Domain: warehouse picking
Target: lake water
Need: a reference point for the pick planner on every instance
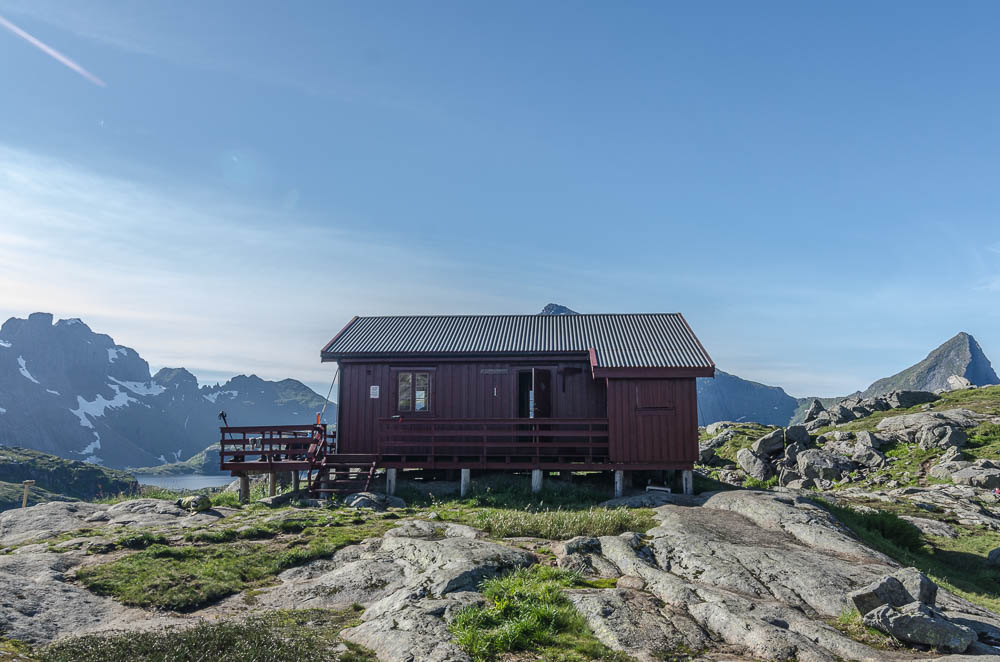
(184, 481)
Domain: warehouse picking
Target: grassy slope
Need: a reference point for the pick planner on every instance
(51, 473)
(746, 434)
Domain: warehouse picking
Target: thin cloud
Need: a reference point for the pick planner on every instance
(51, 52)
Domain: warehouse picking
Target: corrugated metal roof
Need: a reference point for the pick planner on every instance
(648, 340)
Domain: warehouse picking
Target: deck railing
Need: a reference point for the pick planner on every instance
(258, 447)
(493, 442)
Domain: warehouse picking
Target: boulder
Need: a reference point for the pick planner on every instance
(917, 585)
(770, 444)
(958, 383)
(941, 429)
(867, 439)
(918, 623)
(987, 479)
(797, 433)
(993, 558)
(840, 414)
(822, 420)
(815, 409)
(869, 457)
(786, 476)
(195, 502)
(945, 470)
(713, 429)
(884, 591)
(753, 464)
(373, 500)
(819, 464)
(907, 399)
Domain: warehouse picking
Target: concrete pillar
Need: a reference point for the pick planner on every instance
(466, 482)
(687, 481)
(295, 481)
(619, 484)
(536, 481)
(390, 481)
(272, 484)
(244, 488)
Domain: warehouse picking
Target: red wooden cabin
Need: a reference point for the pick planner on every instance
(509, 392)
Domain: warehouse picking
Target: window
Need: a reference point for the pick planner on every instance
(413, 391)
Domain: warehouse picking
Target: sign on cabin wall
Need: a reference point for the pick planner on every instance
(373, 392)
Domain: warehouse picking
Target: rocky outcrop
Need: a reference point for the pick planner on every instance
(936, 429)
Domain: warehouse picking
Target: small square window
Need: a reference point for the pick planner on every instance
(413, 392)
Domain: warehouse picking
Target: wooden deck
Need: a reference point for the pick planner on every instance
(496, 444)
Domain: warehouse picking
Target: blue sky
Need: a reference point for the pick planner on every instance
(813, 185)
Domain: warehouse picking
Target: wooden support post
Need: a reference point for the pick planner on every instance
(272, 487)
(536, 481)
(465, 483)
(244, 488)
(27, 484)
(295, 481)
(619, 484)
(390, 481)
(687, 481)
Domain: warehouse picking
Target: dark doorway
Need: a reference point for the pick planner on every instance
(525, 398)
(534, 393)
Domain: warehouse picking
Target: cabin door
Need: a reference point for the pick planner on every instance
(534, 393)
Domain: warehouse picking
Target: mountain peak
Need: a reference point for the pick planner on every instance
(960, 355)
(557, 309)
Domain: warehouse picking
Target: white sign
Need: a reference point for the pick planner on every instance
(373, 392)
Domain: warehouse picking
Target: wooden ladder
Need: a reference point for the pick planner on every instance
(340, 474)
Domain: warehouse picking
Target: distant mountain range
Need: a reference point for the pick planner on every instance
(69, 391)
(731, 398)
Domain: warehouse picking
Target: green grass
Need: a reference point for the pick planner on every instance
(746, 434)
(308, 635)
(563, 524)
(142, 492)
(850, 623)
(958, 565)
(984, 442)
(527, 610)
(224, 561)
(753, 484)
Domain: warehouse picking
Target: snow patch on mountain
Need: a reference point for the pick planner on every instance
(115, 352)
(99, 405)
(212, 397)
(141, 388)
(4, 343)
(24, 369)
(48, 390)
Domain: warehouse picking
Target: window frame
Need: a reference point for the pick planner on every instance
(413, 372)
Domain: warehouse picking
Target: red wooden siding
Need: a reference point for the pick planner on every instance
(458, 390)
(653, 421)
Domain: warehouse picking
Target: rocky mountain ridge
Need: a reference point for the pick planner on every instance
(69, 391)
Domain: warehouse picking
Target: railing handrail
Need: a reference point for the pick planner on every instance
(241, 429)
(493, 421)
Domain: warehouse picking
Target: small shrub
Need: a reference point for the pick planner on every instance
(141, 540)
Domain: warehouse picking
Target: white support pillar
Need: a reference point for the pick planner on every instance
(272, 487)
(466, 482)
(244, 488)
(536, 481)
(619, 484)
(295, 481)
(687, 482)
(27, 486)
(390, 481)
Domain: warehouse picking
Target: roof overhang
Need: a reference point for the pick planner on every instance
(647, 373)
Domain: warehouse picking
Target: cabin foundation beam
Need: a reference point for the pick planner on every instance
(244, 488)
(272, 484)
(619, 484)
(295, 481)
(687, 482)
(465, 482)
(390, 482)
(536, 481)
